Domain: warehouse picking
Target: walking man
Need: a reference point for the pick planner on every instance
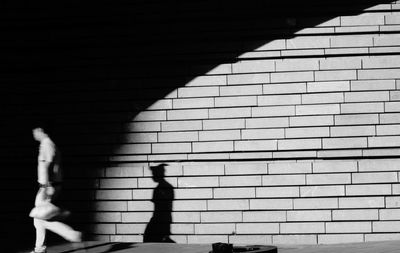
(50, 181)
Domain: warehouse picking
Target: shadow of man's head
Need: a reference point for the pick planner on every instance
(158, 172)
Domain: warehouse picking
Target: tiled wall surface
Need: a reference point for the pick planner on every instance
(304, 202)
(331, 91)
(294, 140)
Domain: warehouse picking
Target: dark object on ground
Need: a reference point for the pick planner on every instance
(220, 247)
(228, 248)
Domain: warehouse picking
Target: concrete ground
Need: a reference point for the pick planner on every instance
(103, 247)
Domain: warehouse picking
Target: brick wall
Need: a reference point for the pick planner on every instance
(278, 133)
(304, 202)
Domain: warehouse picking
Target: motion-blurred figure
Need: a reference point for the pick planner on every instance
(50, 182)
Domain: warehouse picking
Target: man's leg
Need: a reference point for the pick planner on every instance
(39, 225)
(63, 230)
(40, 236)
(57, 227)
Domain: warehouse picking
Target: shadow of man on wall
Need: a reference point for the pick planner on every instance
(159, 227)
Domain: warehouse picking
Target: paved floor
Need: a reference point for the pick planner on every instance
(102, 247)
(370, 247)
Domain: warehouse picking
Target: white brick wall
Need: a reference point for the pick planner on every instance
(235, 101)
(318, 215)
(240, 181)
(311, 121)
(326, 179)
(373, 85)
(277, 192)
(245, 144)
(248, 79)
(302, 228)
(294, 239)
(355, 215)
(317, 109)
(362, 202)
(289, 168)
(251, 66)
(279, 100)
(223, 124)
(285, 88)
(348, 227)
(357, 119)
(258, 228)
(329, 86)
(198, 92)
(318, 98)
(340, 238)
(306, 42)
(316, 203)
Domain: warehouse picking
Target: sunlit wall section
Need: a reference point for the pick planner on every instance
(330, 91)
(295, 141)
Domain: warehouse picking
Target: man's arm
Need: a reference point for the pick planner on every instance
(46, 158)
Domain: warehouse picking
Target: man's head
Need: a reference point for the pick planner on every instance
(39, 133)
(42, 128)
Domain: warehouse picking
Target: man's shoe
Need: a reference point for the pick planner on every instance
(76, 237)
(39, 250)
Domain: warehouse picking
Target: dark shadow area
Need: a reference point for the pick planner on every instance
(103, 248)
(90, 246)
(119, 246)
(92, 68)
(159, 227)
